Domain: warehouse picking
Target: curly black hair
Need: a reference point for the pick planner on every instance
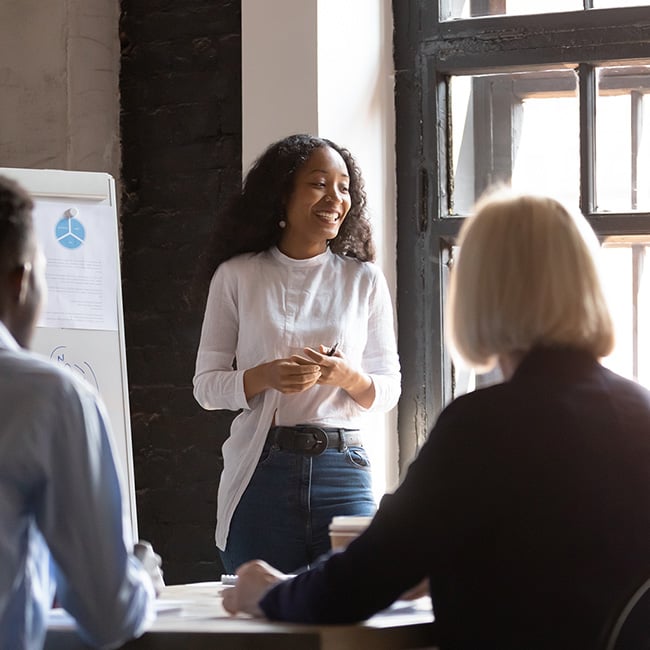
(250, 221)
(16, 222)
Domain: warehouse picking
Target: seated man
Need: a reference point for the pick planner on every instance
(61, 513)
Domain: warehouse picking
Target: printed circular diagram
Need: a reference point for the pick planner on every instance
(63, 356)
(70, 232)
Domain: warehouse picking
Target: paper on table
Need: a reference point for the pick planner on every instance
(405, 608)
(168, 606)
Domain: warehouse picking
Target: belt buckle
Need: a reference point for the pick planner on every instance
(319, 440)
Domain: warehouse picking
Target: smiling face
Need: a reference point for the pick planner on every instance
(317, 206)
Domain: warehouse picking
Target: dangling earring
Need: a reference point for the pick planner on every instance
(282, 223)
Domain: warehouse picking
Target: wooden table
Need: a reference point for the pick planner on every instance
(192, 617)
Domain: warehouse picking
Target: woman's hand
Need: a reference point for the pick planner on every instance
(254, 579)
(283, 375)
(335, 371)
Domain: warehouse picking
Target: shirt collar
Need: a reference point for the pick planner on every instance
(317, 260)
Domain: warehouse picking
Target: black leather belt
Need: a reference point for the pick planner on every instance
(312, 440)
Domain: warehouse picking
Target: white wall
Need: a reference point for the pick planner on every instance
(326, 67)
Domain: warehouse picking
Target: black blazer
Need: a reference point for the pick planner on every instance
(528, 509)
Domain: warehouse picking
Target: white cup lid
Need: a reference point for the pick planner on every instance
(349, 523)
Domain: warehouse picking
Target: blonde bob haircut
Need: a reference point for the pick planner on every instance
(526, 276)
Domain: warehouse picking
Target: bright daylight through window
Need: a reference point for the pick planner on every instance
(522, 128)
(453, 9)
(549, 96)
(533, 126)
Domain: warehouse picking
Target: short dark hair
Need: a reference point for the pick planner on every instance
(250, 220)
(16, 222)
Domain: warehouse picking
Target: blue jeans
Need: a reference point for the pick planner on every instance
(284, 514)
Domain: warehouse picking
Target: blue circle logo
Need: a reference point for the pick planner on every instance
(70, 232)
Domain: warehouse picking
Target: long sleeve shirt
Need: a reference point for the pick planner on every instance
(268, 306)
(63, 524)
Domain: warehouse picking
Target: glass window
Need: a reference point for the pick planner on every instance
(603, 4)
(517, 128)
(623, 139)
(625, 268)
(554, 104)
(523, 128)
(453, 9)
(626, 276)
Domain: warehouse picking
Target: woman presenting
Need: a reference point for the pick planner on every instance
(298, 333)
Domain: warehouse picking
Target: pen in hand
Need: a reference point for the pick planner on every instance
(332, 351)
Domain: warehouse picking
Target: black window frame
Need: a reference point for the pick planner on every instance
(427, 52)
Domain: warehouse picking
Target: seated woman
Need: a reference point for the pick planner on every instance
(528, 508)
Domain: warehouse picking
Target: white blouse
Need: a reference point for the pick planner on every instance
(265, 306)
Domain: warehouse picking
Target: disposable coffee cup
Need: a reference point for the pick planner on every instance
(344, 529)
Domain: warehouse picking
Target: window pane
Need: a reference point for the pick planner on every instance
(520, 129)
(602, 4)
(623, 139)
(452, 9)
(626, 277)
(547, 157)
(625, 267)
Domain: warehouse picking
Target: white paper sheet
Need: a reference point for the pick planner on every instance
(79, 241)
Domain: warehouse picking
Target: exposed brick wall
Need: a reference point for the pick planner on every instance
(180, 87)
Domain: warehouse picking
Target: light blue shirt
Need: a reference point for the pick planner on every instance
(63, 526)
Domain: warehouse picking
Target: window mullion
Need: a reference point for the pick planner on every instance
(638, 259)
(587, 81)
